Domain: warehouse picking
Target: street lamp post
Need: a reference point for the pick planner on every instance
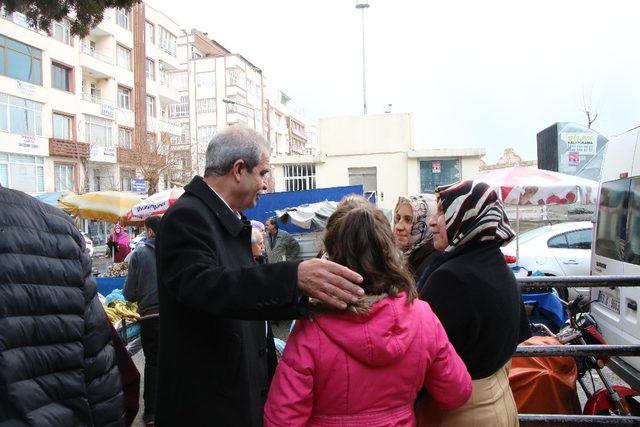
(362, 5)
(248, 107)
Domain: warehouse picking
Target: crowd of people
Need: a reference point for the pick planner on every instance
(407, 323)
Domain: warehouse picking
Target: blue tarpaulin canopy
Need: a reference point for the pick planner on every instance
(52, 198)
(271, 202)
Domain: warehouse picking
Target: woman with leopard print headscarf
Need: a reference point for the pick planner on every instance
(412, 233)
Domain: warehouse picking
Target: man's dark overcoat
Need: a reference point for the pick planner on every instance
(215, 368)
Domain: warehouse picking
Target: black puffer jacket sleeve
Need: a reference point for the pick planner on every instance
(103, 382)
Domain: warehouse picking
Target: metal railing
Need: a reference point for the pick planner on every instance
(549, 282)
(92, 52)
(96, 99)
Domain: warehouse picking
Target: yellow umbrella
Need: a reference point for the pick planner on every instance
(109, 206)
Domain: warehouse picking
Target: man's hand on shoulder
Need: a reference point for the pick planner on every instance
(329, 282)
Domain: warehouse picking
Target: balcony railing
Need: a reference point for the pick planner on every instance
(96, 99)
(92, 52)
(68, 148)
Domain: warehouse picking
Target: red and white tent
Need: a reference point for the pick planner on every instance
(526, 186)
(156, 204)
(521, 186)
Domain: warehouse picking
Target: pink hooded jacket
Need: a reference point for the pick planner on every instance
(349, 370)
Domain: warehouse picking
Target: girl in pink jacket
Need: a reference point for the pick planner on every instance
(365, 366)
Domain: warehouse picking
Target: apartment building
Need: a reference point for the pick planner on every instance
(74, 111)
(219, 88)
(285, 126)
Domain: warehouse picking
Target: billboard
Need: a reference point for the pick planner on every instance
(568, 147)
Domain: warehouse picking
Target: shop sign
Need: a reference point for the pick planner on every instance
(28, 141)
(102, 154)
(139, 186)
(26, 89)
(106, 109)
(582, 143)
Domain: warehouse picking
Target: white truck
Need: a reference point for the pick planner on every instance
(616, 249)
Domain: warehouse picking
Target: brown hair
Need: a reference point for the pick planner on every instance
(359, 237)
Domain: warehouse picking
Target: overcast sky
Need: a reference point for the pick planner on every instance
(488, 73)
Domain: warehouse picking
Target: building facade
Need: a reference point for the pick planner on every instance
(77, 110)
(375, 151)
(217, 89)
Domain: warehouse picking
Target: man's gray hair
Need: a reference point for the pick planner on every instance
(232, 144)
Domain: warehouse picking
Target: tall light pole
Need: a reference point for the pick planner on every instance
(362, 5)
(248, 107)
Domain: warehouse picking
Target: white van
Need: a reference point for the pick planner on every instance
(616, 249)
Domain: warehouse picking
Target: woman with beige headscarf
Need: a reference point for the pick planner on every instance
(412, 233)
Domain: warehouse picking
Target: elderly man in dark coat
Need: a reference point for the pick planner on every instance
(217, 355)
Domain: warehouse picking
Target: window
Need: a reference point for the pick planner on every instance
(124, 97)
(236, 77)
(368, 178)
(98, 131)
(167, 41)
(149, 32)
(180, 109)
(62, 127)
(24, 173)
(124, 137)
(151, 72)
(19, 115)
(206, 105)
(151, 106)
(206, 79)
(611, 238)
(179, 80)
(64, 177)
(151, 142)
(123, 18)
(205, 133)
(61, 31)
(61, 77)
(20, 61)
(126, 178)
(579, 239)
(124, 57)
(300, 177)
(558, 242)
(436, 172)
(633, 247)
(184, 133)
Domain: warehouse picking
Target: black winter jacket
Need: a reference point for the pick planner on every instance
(57, 364)
(475, 296)
(217, 355)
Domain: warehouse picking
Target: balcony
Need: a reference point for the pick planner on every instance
(68, 148)
(171, 127)
(168, 94)
(125, 117)
(140, 157)
(95, 64)
(99, 105)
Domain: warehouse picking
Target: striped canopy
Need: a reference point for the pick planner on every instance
(109, 206)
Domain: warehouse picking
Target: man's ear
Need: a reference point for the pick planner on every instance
(238, 169)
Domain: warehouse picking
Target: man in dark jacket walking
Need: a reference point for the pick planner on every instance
(217, 355)
(57, 361)
(141, 287)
